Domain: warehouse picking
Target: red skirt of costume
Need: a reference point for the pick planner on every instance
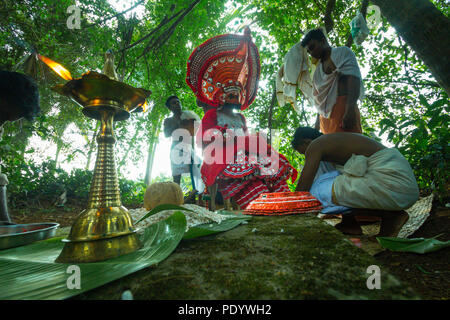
(245, 181)
(254, 168)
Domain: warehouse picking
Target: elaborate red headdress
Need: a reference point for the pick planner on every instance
(225, 68)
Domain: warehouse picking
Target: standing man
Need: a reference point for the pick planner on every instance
(19, 98)
(182, 154)
(337, 85)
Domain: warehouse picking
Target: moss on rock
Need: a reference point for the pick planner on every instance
(283, 257)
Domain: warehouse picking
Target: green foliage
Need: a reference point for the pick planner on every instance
(34, 184)
(424, 140)
(132, 192)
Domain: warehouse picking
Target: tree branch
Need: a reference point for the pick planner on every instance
(156, 43)
(318, 5)
(161, 24)
(328, 21)
(423, 83)
(116, 15)
(272, 103)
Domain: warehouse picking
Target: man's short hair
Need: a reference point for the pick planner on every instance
(304, 133)
(314, 34)
(21, 91)
(168, 100)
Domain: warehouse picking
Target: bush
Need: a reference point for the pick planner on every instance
(33, 185)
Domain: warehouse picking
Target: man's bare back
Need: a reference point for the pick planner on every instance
(336, 148)
(339, 147)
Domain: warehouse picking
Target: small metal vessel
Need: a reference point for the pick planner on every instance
(16, 235)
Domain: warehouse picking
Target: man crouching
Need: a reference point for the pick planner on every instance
(370, 179)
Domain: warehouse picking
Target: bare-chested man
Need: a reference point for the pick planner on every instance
(337, 85)
(182, 152)
(374, 180)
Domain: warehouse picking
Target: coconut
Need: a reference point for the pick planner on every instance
(163, 193)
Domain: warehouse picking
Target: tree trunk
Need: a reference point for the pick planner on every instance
(272, 103)
(91, 144)
(130, 146)
(151, 152)
(425, 29)
(90, 152)
(59, 142)
(150, 161)
(58, 150)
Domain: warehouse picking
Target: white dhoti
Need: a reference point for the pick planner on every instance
(383, 181)
(180, 158)
(184, 160)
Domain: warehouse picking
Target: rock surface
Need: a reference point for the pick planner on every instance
(282, 257)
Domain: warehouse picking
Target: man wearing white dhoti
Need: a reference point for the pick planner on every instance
(181, 127)
(371, 177)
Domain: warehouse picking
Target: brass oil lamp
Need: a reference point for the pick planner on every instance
(103, 230)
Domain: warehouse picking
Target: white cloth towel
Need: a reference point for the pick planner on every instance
(293, 74)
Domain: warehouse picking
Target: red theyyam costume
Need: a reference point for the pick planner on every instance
(223, 72)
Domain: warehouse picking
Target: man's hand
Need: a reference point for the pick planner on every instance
(313, 156)
(171, 124)
(349, 118)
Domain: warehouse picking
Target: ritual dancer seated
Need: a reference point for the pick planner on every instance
(19, 98)
(372, 179)
(337, 85)
(181, 127)
(223, 73)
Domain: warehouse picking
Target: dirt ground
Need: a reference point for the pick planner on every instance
(427, 274)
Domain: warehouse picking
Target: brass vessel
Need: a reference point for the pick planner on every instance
(105, 229)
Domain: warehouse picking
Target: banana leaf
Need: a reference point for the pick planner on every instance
(212, 228)
(415, 245)
(203, 229)
(29, 272)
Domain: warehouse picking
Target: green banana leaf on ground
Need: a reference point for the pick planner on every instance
(212, 228)
(29, 272)
(415, 245)
(203, 229)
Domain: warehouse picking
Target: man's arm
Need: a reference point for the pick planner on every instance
(168, 128)
(317, 124)
(353, 87)
(313, 156)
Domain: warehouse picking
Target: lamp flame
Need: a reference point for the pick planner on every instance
(59, 69)
(145, 107)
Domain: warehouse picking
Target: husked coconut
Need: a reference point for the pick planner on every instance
(163, 193)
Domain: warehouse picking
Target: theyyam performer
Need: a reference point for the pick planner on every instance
(223, 73)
